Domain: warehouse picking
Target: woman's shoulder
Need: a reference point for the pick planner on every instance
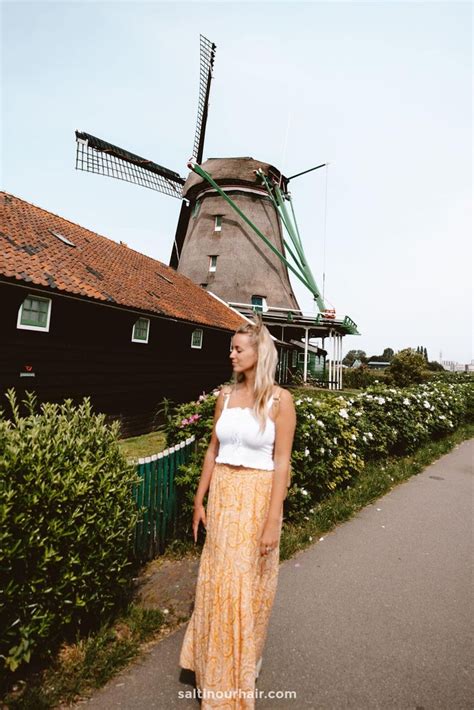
(280, 394)
(224, 392)
(282, 397)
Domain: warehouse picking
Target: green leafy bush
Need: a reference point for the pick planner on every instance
(67, 517)
(325, 453)
(408, 367)
(363, 376)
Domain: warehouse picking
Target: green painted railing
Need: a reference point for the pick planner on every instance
(155, 496)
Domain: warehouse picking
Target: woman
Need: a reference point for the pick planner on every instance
(246, 469)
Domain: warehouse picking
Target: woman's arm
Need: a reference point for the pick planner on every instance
(285, 424)
(206, 473)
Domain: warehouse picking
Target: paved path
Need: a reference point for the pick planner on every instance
(377, 615)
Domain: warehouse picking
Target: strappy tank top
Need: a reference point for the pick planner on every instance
(241, 442)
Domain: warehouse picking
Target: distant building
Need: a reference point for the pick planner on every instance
(453, 366)
(377, 365)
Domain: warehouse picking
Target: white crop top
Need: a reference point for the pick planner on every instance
(241, 443)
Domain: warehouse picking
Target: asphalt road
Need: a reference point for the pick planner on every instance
(379, 614)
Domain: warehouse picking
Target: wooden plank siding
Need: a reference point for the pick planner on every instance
(88, 352)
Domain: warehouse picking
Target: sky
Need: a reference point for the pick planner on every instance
(381, 91)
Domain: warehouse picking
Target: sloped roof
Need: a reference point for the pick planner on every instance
(311, 348)
(98, 268)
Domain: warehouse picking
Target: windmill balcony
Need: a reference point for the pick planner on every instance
(287, 316)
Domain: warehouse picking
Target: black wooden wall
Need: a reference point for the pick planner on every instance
(88, 351)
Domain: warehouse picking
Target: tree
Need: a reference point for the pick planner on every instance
(354, 355)
(435, 366)
(387, 355)
(408, 367)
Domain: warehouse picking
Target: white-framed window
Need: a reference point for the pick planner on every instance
(301, 357)
(294, 358)
(34, 313)
(218, 223)
(213, 263)
(196, 338)
(259, 303)
(141, 330)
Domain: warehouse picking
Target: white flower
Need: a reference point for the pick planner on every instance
(426, 405)
(304, 492)
(306, 452)
(335, 439)
(310, 538)
(406, 401)
(353, 437)
(320, 423)
(322, 449)
(311, 416)
(364, 438)
(343, 413)
(358, 414)
(298, 401)
(370, 435)
(380, 400)
(441, 416)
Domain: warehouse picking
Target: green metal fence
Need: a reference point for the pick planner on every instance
(155, 496)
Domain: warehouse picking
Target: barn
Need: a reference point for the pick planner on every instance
(86, 316)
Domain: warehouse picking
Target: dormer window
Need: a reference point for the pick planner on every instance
(259, 304)
(212, 263)
(218, 223)
(34, 314)
(141, 330)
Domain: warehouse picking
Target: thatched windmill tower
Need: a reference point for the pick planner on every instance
(229, 237)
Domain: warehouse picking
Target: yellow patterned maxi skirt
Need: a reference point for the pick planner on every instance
(235, 590)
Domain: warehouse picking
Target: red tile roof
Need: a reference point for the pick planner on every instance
(98, 268)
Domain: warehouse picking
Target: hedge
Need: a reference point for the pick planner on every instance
(66, 525)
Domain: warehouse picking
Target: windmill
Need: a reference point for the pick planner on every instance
(237, 234)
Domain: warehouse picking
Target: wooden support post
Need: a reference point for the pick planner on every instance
(305, 369)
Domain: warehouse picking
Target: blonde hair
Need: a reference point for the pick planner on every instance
(267, 361)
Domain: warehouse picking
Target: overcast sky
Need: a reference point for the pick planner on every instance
(381, 90)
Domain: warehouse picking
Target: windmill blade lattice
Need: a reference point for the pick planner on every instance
(95, 155)
(207, 53)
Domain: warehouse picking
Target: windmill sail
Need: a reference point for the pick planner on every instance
(207, 53)
(95, 155)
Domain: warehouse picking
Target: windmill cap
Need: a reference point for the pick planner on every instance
(229, 171)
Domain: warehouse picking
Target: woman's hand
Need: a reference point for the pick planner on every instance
(198, 515)
(270, 538)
